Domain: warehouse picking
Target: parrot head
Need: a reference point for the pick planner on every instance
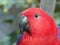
(36, 23)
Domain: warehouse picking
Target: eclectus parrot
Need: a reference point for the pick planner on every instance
(37, 28)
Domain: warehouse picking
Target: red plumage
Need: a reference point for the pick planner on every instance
(43, 29)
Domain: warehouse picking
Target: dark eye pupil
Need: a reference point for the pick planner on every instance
(36, 16)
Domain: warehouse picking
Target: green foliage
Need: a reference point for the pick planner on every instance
(13, 36)
(8, 21)
(57, 9)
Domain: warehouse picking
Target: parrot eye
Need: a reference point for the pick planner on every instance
(36, 16)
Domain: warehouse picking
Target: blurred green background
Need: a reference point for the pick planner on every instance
(9, 13)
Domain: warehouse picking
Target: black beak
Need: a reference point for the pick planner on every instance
(23, 24)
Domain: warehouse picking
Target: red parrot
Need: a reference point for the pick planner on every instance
(38, 28)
